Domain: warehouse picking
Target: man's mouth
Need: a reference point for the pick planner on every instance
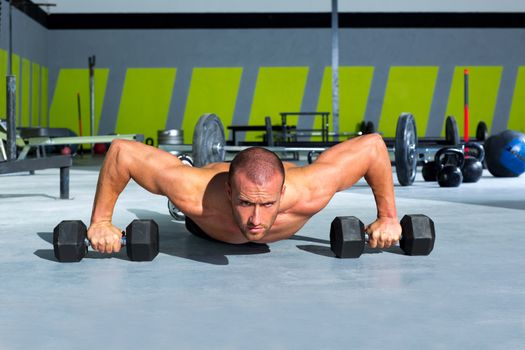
(255, 229)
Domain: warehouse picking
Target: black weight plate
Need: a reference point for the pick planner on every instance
(208, 141)
(370, 128)
(175, 212)
(406, 149)
(482, 132)
(451, 131)
(312, 156)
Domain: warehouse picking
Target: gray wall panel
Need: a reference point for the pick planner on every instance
(506, 90)
(109, 113)
(438, 110)
(179, 97)
(243, 106)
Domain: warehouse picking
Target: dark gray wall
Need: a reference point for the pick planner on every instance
(253, 48)
(29, 41)
(30, 38)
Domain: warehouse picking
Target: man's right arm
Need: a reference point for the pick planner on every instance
(150, 167)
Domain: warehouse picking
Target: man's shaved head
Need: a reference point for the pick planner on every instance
(258, 164)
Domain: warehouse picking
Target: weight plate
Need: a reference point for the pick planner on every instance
(406, 149)
(482, 132)
(208, 141)
(370, 128)
(451, 131)
(185, 159)
(312, 156)
(175, 212)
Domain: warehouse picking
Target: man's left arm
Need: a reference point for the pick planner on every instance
(340, 167)
(385, 230)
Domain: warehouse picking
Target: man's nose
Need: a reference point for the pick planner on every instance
(256, 216)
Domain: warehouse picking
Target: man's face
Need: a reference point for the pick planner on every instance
(255, 207)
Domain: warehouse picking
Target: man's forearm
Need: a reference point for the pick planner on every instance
(379, 177)
(112, 180)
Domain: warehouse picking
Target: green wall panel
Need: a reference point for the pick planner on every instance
(35, 95)
(44, 103)
(212, 90)
(517, 110)
(145, 101)
(409, 89)
(25, 87)
(278, 89)
(354, 88)
(3, 73)
(484, 84)
(64, 109)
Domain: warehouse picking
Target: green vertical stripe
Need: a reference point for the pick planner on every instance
(145, 100)
(26, 91)
(517, 110)
(44, 96)
(35, 95)
(483, 94)
(409, 89)
(64, 109)
(278, 89)
(212, 90)
(354, 88)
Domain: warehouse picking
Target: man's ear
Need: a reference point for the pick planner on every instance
(283, 189)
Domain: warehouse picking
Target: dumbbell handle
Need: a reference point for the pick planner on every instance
(122, 241)
(367, 238)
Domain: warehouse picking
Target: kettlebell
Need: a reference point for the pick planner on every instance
(473, 166)
(429, 171)
(449, 161)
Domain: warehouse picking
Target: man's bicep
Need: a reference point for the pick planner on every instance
(182, 185)
(150, 167)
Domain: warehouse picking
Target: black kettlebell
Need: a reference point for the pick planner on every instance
(429, 171)
(449, 161)
(473, 166)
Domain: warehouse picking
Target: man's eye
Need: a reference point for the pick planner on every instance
(268, 205)
(245, 204)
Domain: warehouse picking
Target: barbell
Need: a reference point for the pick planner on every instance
(209, 145)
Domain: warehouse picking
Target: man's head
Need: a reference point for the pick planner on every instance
(255, 187)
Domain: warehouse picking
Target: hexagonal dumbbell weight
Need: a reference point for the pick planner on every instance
(348, 237)
(141, 239)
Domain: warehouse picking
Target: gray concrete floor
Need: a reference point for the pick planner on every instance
(468, 294)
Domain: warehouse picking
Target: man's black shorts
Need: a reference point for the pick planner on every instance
(196, 230)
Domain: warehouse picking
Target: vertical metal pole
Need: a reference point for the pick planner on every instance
(10, 34)
(10, 112)
(10, 97)
(92, 96)
(64, 183)
(335, 70)
(465, 110)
